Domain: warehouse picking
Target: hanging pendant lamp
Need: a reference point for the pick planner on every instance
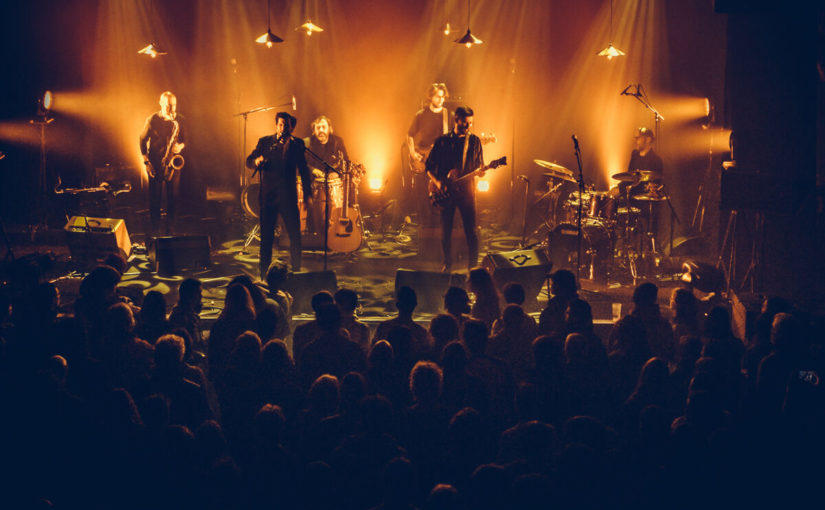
(611, 51)
(268, 38)
(468, 39)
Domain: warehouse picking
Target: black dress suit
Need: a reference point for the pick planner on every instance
(283, 160)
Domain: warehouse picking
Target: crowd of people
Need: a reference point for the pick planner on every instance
(120, 406)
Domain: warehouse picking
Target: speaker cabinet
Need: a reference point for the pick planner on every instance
(304, 284)
(91, 239)
(429, 287)
(527, 267)
(172, 254)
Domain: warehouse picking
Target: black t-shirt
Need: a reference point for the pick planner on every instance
(427, 126)
(650, 161)
(327, 151)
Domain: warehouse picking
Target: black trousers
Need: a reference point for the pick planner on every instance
(466, 205)
(271, 208)
(157, 186)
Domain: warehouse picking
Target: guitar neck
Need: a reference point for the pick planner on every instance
(472, 174)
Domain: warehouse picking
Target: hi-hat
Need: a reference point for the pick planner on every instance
(636, 176)
(555, 171)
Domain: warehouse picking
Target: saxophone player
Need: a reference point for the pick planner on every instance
(161, 142)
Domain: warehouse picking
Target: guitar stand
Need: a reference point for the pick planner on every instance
(254, 234)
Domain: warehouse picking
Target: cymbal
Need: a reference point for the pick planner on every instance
(625, 176)
(636, 176)
(650, 197)
(552, 166)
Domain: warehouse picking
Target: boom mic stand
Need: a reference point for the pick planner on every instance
(579, 212)
(328, 168)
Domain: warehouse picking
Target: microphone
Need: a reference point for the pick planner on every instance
(575, 142)
(294, 104)
(624, 92)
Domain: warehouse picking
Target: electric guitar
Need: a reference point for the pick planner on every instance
(418, 167)
(346, 231)
(442, 191)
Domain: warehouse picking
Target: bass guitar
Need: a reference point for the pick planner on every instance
(442, 191)
(346, 231)
(418, 167)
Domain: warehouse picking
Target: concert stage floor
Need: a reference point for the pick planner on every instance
(370, 271)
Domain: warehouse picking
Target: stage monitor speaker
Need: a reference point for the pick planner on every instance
(91, 239)
(429, 287)
(304, 284)
(172, 254)
(527, 267)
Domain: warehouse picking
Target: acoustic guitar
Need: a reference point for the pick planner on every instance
(346, 231)
(442, 191)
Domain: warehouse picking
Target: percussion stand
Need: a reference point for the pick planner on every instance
(545, 223)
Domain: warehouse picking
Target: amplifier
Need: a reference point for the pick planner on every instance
(91, 239)
(527, 267)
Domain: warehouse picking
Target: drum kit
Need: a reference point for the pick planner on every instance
(616, 226)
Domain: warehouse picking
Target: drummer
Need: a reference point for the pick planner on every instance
(330, 147)
(331, 150)
(646, 163)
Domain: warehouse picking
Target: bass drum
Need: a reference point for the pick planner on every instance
(251, 202)
(597, 248)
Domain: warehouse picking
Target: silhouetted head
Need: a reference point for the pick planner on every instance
(323, 395)
(347, 300)
(406, 300)
(475, 336)
(444, 329)
(276, 276)
(425, 382)
(456, 301)
(513, 293)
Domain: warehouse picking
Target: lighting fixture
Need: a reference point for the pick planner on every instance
(611, 51)
(448, 29)
(47, 101)
(152, 50)
(309, 27)
(268, 37)
(468, 39)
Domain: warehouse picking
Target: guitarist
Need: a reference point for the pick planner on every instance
(279, 158)
(458, 150)
(431, 121)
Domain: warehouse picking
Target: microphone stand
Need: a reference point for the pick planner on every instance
(641, 96)
(579, 213)
(328, 168)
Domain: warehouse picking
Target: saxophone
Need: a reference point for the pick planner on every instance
(172, 161)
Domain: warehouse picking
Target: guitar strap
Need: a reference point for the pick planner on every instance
(464, 153)
(445, 124)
